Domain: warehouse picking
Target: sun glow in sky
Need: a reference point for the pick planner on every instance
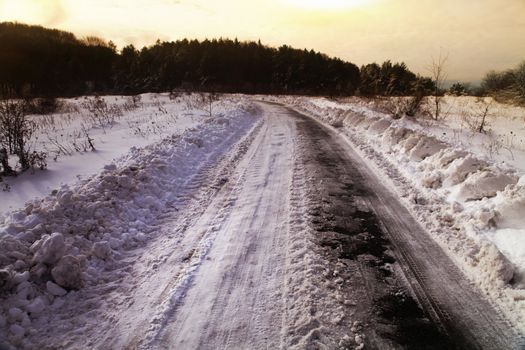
(478, 35)
(328, 4)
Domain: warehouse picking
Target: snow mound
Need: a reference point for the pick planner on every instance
(379, 126)
(460, 168)
(443, 158)
(426, 146)
(484, 183)
(353, 118)
(68, 273)
(102, 250)
(495, 265)
(395, 135)
(49, 249)
(510, 206)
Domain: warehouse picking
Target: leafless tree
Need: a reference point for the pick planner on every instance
(210, 99)
(476, 119)
(203, 101)
(483, 117)
(16, 129)
(439, 75)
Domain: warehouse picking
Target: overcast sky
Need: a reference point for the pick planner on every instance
(477, 35)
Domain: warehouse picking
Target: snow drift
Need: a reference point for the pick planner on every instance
(63, 242)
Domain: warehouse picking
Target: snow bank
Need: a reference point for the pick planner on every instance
(484, 184)
(61, 243)
(473, 205)
(64, 137)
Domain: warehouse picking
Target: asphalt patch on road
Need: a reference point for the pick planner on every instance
(349, 232)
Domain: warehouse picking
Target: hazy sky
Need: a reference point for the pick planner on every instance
(478, 35)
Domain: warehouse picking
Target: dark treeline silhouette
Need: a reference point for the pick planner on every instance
(508, 85)
(39, 61)
(393, 79)
(230, 65)
(35, 61)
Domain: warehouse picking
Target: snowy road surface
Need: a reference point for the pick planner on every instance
(290, 241)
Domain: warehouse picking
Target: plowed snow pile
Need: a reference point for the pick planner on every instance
(78, 235)
(472, 201)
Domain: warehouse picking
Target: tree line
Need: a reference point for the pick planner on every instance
(508, 85)
(39, 62)
(36, 61)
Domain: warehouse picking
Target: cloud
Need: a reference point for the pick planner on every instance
(43, 12)
(54, 12)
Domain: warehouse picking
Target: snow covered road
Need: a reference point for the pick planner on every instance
(351, 193)
(253, 270)
(229, 294)
(288, 241)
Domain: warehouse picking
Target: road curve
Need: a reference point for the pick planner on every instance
(293, 242)
(459, 312)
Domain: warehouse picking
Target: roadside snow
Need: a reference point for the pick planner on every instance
(56, 245)
(64, 137)
(470, 200)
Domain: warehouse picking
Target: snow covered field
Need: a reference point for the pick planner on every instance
(127, 122)
(91, 209)
(466, 187)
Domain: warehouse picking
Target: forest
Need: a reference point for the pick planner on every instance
(39, 62)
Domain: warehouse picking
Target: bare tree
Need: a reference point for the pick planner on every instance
(476, 119)
(16, 129)
(439, 76)
(209, 99)
(483, 118)
(203, 101)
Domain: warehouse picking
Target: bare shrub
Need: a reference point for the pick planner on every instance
(88, 140)
(102, 114)
(414, 105)
(399, 107)
(159, 105)
(520, 82)
(82, 142)
(132, 102)
(60, 148)
(4, 162)
(507, 86)
(439, 75)
(476, 120)
(492, 146)
(203, 101)
(175, 94)
(37, 160)
(44, 106)
(16, 129)
(396, 106)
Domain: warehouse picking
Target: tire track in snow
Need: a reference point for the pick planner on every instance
(177, 289)
(169, 252)
(235, 299)
(468, 319)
